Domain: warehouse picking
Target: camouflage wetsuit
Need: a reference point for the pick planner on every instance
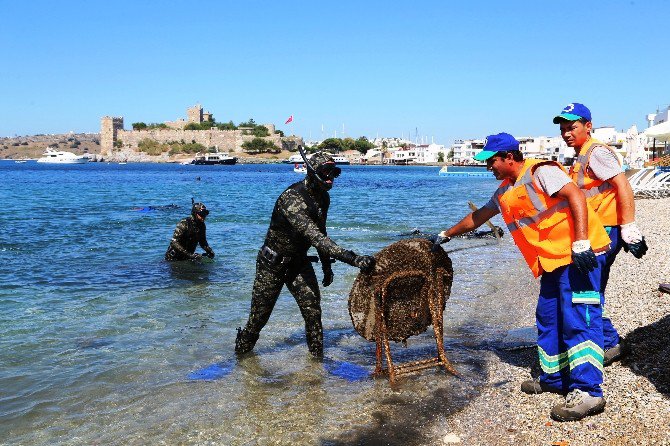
(298, 222)
(188, 234)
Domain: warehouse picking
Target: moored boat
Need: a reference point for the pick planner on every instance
(213, 158)
(61, 157)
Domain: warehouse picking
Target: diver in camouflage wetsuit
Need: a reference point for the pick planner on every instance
(298, 222)
(190, 232)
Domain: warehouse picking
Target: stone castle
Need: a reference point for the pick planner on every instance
(114, 140)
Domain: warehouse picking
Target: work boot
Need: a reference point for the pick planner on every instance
(535, 386)
(245, 341)
(578, 404)
(615, 353)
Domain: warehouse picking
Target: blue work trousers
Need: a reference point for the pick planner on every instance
(609, 332)
(570, 330)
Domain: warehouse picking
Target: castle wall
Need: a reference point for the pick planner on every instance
(225, 140)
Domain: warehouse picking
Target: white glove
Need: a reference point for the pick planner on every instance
(581, 246)
(630, 233)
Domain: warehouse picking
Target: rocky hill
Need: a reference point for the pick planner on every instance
(22, 147)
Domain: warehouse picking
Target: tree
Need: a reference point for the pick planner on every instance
(226, 126)
(259, 145)
(348, 143)
(249, 123)
(139, 126)
(279, 132)
(260, 131)
(192, 126)
(384, 150)
(363, 145)
(440, 157)
(332, 145)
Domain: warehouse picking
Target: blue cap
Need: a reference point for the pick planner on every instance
(573, 112)
(501, 142)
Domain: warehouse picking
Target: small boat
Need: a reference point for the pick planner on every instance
(341, 160)
(19, 161)
(213, 158)
(61, 157)
(299, 168)
(293, 159)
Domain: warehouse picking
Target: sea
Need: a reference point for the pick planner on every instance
(104, 343)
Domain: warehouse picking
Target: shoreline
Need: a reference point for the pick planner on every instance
(637, 389)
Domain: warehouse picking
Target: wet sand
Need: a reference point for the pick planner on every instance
(637, 389)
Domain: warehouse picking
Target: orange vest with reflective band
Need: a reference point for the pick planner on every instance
(542, 226)
(600, 194)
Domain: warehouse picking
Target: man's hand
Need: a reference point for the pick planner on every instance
(196, 257)
(583, 256)
(210, 253)
(633, 240)
(437, 241)
(365, 263)
(328, 276)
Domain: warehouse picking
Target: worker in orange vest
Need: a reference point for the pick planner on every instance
(563, 242)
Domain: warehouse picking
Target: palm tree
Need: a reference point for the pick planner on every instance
(384, 150)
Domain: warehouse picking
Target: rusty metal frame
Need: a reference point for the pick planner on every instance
(435, 290)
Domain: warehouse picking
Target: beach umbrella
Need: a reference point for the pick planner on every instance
(661, 131)
(634, 151)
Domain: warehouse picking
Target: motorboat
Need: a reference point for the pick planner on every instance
(299, 168)
(294, 159)
(61, 157)
(213, 158)
(341, 160)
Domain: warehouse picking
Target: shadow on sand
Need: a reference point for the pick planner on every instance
(650, 353)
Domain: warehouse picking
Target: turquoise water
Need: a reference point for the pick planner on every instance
(99, 334)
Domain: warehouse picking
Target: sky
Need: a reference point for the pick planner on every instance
(427, 70)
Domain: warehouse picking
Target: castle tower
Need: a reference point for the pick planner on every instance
(109, 127)
(194, 114)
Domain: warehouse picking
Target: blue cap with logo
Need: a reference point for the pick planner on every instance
(573, 112)
(497, 143)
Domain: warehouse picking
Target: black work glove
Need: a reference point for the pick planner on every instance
(328, 276)
(210, 252)
(583, 257)
(365, 263)
(195, 256)
(638, 249)
(437, 241)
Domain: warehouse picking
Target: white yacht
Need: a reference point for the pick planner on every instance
(214, 158)
(341, 160)
(61, 157)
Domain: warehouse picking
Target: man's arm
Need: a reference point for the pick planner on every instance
(577, 204)
(624, 198)
(470, 222)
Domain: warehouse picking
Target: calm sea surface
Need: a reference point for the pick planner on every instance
(99, 334)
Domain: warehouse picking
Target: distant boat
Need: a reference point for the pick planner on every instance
(19, 161)
(293, 159)
(299, 168)
(60, 157)
(213, 158)
(341, 160)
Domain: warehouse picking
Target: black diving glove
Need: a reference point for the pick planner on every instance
(583, 256)
(638, 249)
(365, 263)
(328, 276)
(437, 241)
(210, 253)
(196, 256)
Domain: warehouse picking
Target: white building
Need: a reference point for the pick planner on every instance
(464, 150)
(545, 147)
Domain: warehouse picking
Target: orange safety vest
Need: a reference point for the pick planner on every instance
(601, 195)
(542, 226)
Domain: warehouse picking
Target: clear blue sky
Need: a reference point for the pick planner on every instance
(449, 69)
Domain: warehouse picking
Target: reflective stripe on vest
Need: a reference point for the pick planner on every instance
(601, 195)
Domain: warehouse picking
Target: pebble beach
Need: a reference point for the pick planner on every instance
(637, 389)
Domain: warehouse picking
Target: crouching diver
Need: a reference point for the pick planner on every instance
(189, 233)
(298, 222)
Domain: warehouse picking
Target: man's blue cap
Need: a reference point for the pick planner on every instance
(573, 112)
(497, 143)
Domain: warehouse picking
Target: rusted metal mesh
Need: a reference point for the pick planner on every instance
(409, 269)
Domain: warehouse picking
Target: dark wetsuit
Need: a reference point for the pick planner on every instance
(298, 222)
(186, 238)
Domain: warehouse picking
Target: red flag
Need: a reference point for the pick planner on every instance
(290, 118)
